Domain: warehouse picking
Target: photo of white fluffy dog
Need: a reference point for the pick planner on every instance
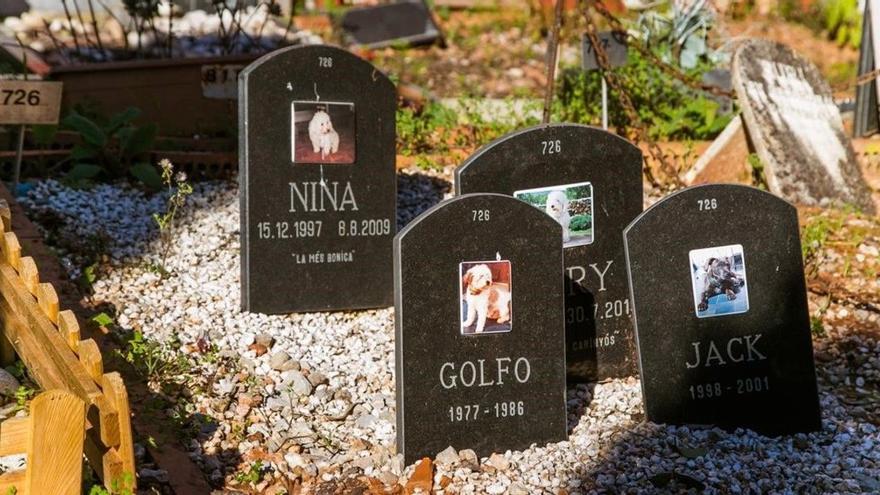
(486, 298)
(324, 138)
(557, 207)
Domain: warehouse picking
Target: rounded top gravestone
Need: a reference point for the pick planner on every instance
(589, 181)
(796, 128)
(720, 306)
(317, 182)
(479, 345)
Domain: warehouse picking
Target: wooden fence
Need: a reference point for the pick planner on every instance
(48, 342)
(52, 439)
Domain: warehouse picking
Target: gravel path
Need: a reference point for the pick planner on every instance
(311, 396)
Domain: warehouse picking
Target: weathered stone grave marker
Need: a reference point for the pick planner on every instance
(589, 181)
(318, 182)
(720, 303)
(379, 26)
(796, 128)
(480, 357)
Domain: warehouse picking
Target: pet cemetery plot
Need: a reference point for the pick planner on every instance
(460, 246)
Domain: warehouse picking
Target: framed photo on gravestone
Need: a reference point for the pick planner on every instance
(318, 184)
(479, 356)
(796, 128)
(590, 182)
(720, 306)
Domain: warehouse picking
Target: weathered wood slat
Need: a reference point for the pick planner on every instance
(69, 328)
(11, 250)
(55, 444)
(48, 301)
(76, 378)
(90, 357)
(14, 436)
(114, 389)
(29, 275)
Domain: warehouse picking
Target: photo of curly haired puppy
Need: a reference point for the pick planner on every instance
(322, 132)
(324, 139)
(486, 297)
(571, 205)
(719, 281)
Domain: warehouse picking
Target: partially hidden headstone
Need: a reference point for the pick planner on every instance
(407, 22)
(317, 182)
(480, 356)
(590, 182)
(796, 128)
(867, 112)
(720, 305)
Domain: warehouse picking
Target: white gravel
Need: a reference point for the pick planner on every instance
(322, 401)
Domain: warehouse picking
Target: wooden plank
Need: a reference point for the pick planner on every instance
(34, 356)
(55, 444)
(105, 461)
(29, 102)
(75, 377)
(14, 436)
(13, 482)
(114, 389)
(90, 357)
(29, 275)
(11, 250)
(69, 328)
(48, 301)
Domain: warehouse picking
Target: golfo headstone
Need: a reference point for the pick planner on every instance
(317, 182)
(480, 356)
(720, 303)
(796, 128)
(590, 182)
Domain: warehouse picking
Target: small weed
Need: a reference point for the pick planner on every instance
(252, 476)
(757, 167)
(22, 395)
(178, 190)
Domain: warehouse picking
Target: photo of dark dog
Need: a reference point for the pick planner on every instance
(719, 281)
(322, 132)
(486, 296)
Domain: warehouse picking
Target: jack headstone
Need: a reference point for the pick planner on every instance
(720, 303)
(589, 181)
(317, 182)
(480, 357)
(796, 128)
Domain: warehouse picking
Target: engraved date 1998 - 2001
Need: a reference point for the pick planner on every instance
(742, 386)
(473, 412)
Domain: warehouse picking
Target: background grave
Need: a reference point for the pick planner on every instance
(316, 235)
(742, 362)
(490, 392)
(599, 339)
(796, 128)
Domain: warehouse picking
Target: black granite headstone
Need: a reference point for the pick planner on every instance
(590, 181)
(867, 119)
(720, 303)
(405, 21)
(317, 182)
(480, 360)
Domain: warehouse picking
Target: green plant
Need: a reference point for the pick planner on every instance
(680, 32)
(843, 20)
(150, 360)
(22, 395)
(111, 148)
(581, 222)
(667, 107)
(757, 167)
(252, 475)
(178, 190)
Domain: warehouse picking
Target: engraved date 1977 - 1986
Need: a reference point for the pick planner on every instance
(473, 412)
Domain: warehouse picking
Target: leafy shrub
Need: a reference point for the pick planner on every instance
(111, 148)
(843, 20)
(669, 109)
(581, 222)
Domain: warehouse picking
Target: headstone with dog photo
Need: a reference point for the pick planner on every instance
(720, 306)
(590, 182)
(479, 346)
(317, 182)
(796, 127)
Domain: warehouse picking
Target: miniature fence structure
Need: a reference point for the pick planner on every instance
(48, 342)
(52, 439)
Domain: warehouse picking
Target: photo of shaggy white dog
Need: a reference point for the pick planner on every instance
(487, 297)
(322, 132)
(571, 205)
(324, 139)
(719, 281)
(557, 208)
